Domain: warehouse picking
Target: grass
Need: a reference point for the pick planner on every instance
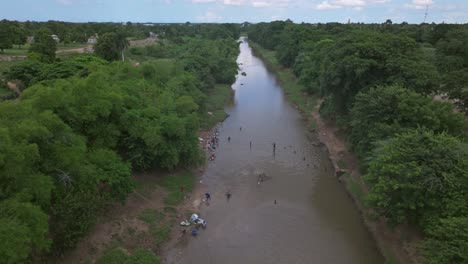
(145, 188)
(159, 225)
(17, 51)
(355, 188)
(151, 216)
(172, 184)
(216, 101)
(170, 210)
(115, 255)
(293, 89)
(23, 51)
(342, 164)
(160, 233)
(389, 258)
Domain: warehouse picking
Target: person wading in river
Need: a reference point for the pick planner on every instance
(274, 147)
(228, 195)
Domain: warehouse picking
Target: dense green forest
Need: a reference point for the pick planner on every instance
(70, 141)
(380, 84)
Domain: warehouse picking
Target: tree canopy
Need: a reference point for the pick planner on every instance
(80, 126)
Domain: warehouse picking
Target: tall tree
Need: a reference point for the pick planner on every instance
(44, 45)
(6, 38)
(110, 46)
(122, 43)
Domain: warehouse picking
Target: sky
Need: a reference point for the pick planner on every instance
(219, 11)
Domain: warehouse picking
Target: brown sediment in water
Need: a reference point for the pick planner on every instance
(301, 215)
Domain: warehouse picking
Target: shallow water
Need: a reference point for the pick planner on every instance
(313, 220)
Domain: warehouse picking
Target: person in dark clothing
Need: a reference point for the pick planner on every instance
(228, 195)
(207, 196)
(229, 139)
(274, 147)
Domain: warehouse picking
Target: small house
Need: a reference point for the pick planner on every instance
(92, 39)
(55, 37)
(153, 35)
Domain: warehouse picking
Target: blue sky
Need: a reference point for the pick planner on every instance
(412, 11)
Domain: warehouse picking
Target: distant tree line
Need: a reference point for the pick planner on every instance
(16, 33)
(80, 126)
(378, 81)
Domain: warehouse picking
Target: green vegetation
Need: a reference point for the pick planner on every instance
(81, 125)
(220, 95)
(355, 188)
(173, 183)
(150, 216)
(342, 164)
(44, 46)
(159, 225)
(118, 256)
(111, 45)
(377, 82)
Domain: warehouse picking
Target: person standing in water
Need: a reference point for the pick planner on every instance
(229, 139)
(228, 195)
(240, 128)
(274, 147)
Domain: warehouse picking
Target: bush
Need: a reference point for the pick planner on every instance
(419, 176)
(447, 241)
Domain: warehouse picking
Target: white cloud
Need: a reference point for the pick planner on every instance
(354, 4)
(209, 16)
(261, 4)
(233, 2)
(203, 1)
(64, 2)
(253, 3)
(325, 5)
(419, 4)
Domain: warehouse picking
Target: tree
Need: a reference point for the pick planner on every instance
(111, 45)
(6, 38)
(362, 60)
(419, 176)
(380, 112)
(19, 36)
(23, 227)
(447, 241)
(44, 45)
(122, 43)
(452, 62)
(106, 47)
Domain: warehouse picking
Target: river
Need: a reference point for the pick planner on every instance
(312, 220)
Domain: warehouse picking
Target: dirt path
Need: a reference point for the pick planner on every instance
(76, 50)
(398, 244)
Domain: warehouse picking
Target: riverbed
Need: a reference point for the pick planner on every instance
(298, 213)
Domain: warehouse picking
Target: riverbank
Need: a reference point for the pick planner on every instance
(149, 219)
(396, 245)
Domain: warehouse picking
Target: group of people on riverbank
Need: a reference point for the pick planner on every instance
(212, 142)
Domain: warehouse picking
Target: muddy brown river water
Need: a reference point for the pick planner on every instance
(313, 220)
